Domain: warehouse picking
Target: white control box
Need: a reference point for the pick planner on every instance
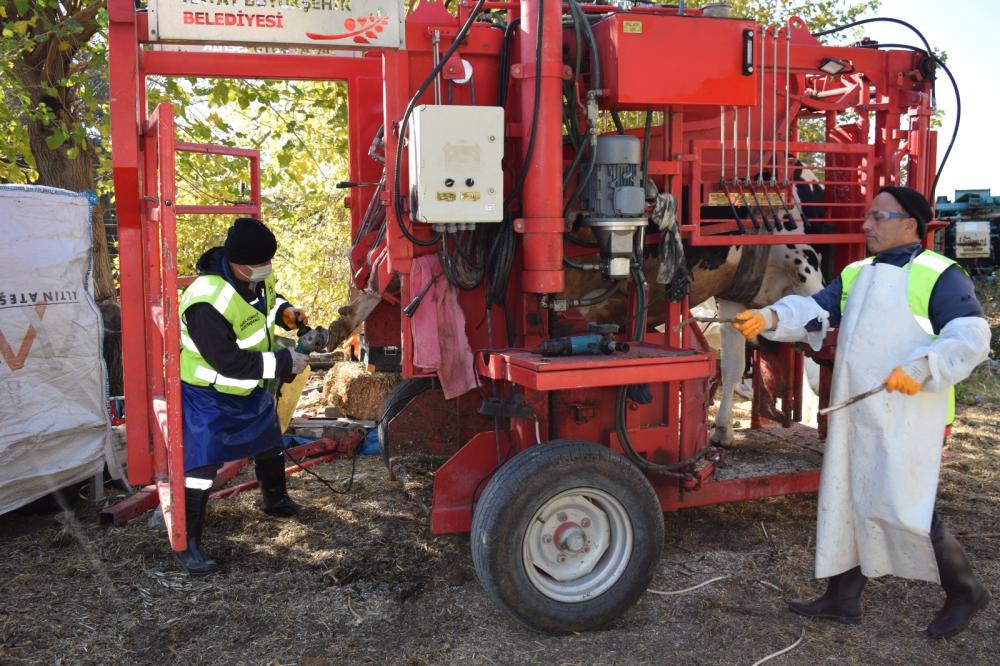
(455, 171)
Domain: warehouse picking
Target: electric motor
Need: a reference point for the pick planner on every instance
(616, 200)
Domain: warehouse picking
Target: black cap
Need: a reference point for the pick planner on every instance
(914, 203)
(249, 242)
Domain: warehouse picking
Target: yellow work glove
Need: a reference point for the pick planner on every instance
(898, 380)
(751, 323)
(293, 318)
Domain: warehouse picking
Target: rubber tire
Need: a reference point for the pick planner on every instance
(400, 397)
(519, 489)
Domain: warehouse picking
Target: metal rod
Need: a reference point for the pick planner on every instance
(722, 139)
(749, 126)
(703, 320)
(436, 41)
(760, 100)
(774, 111)
(788, 98)
(850, 401)
(736, 150)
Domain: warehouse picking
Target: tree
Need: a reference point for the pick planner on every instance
(54, 78)
(300, 129)
(818, 15)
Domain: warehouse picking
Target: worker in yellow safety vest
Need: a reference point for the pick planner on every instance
(908, 319)
(228, 316)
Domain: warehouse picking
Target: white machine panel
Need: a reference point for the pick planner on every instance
(972, 239)
(455, 171)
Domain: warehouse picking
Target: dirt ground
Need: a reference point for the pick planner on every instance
(360, 579)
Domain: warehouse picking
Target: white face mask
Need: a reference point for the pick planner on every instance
(258, 273)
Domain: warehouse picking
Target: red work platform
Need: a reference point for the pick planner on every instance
(639, 365)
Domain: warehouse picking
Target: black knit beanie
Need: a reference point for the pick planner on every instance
(914, 203)
(249, 242)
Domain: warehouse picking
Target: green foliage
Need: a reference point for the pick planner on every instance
(983, 386)
(818, 15)
(300, 129)
(73, 104)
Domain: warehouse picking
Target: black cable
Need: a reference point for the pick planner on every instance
(877, 19)
(626, 443)
(336, 491)
(594, 300)
(397, 200)
(958, 105)
(885, 19)
(617, 121)
(595, 86)
(640, 300)
(503, 80)
(580, 267)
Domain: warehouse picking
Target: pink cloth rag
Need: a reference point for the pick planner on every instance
(439, 339)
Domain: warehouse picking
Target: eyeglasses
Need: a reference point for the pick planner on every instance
(885, 215)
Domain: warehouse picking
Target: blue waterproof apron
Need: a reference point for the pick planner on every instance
(220, 427)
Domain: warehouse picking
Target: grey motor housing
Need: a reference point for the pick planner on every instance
(616, 200)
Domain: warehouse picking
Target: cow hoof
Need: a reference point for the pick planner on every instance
(721, 437)
(744, 390)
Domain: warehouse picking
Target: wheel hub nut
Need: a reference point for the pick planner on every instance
(573, 540)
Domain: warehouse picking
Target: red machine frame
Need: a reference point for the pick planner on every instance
(685, 160)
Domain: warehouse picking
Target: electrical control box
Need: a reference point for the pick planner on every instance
(455, 172)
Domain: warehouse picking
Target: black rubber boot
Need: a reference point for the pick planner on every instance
(193, 559)
(965, 594)
(270, 471)
(840, 602)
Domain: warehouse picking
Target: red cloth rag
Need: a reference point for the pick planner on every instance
(439, 339)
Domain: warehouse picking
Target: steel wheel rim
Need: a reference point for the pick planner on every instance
(577, 545)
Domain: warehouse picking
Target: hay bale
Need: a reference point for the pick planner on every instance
(357, 393)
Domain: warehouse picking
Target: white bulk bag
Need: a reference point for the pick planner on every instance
(54, 427)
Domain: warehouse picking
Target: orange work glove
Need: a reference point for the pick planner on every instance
(751, 323)
(902, 382)
(293, 318)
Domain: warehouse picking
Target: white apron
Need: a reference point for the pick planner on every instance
(883, 454)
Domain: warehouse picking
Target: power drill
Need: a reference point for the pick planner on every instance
(312, 339)
(598, 341)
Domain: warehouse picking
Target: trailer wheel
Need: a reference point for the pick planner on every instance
(566, 536)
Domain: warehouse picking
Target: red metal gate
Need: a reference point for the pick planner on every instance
(158, 349)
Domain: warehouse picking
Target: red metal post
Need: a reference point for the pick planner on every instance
(542, 222)
(125, 85)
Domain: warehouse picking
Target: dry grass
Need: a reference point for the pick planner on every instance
(359, 579)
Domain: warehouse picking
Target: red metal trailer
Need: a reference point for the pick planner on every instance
(563, 495)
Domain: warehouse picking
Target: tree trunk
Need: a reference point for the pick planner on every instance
(56, 168)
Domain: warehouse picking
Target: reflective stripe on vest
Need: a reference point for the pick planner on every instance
(272, 314)
(924, 271)
(250, 325)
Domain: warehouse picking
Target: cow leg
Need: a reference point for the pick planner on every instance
(733, 359)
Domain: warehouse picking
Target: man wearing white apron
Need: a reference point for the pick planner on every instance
(909, 319)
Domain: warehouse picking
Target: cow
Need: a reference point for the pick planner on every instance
(738, 276)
